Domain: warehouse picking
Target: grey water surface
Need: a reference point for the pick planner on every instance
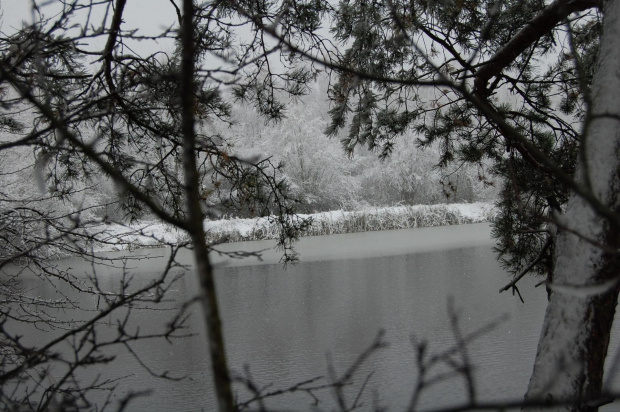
(314, 319)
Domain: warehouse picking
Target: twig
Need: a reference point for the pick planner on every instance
(540, 257)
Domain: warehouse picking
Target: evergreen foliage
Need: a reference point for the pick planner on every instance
(111, 115)
(124, 120)
(428, 66)
(500, 88)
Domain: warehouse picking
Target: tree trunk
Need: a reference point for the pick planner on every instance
(575, 334)
(208, 295)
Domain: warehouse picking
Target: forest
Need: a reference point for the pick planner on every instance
(319, 172)
(279, 109)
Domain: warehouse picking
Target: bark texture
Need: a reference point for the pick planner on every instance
(575, 334)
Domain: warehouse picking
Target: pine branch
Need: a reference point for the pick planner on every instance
(540, 257)
(543, 23)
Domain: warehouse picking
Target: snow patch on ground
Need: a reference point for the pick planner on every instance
(149, 233)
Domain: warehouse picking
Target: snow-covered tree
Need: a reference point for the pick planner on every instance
(327, 178)
(584, 291)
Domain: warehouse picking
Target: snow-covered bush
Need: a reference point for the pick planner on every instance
(326, 178)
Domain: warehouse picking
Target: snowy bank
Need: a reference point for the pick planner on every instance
(155, 234)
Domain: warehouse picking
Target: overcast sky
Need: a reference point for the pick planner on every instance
(148, 16)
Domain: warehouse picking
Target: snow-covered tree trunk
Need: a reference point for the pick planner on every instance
(575, 334)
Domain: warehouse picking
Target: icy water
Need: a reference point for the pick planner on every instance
(316, 318)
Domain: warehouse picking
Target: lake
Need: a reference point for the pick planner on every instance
(312, 320)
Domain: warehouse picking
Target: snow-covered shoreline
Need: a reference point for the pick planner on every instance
(113, 237)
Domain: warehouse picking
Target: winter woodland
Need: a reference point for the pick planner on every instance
(309, 117)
